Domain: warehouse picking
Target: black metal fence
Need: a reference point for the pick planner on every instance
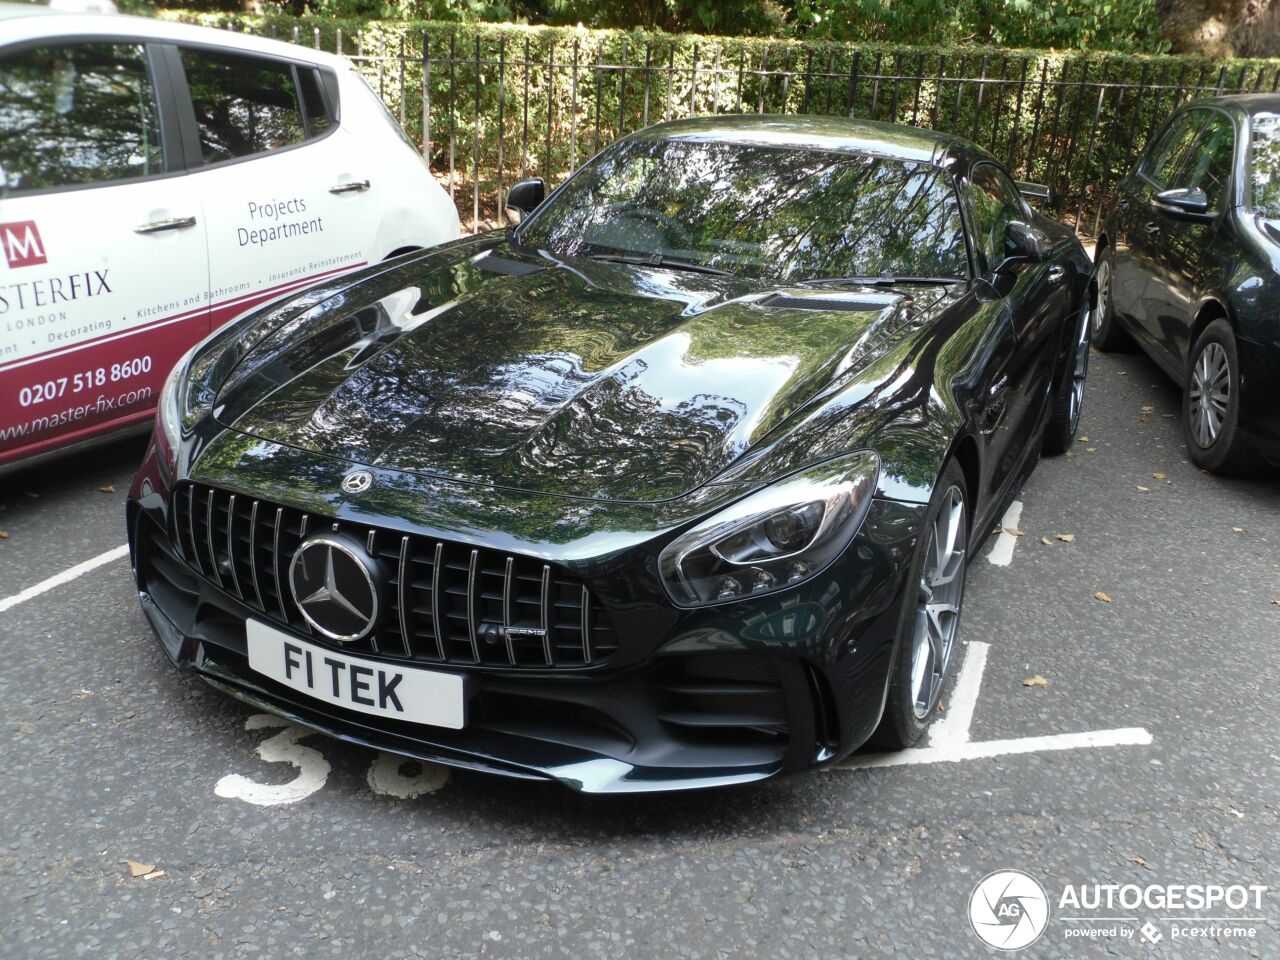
(488, 108)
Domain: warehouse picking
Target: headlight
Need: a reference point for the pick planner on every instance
(171, 412)
(776, 538)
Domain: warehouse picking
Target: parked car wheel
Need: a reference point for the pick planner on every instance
(930, 619)
(1068, 396)
(1108, 335)
(1211, 404)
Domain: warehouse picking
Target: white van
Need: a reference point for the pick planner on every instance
(157, 180)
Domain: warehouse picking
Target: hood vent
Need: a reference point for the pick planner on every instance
(783, 301)
(507, 267)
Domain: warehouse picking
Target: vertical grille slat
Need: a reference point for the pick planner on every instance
(405, 590)
(253, 555)
(480, 607)
(472, 600)
(208, 536)
(547, 620)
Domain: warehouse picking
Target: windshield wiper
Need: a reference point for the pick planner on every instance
(874, 281)
(659, 260)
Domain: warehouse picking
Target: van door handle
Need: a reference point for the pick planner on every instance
(158, 226)
(350, 186)
(1057, 273)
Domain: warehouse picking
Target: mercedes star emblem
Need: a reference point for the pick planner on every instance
(335, 585)
(357, 482)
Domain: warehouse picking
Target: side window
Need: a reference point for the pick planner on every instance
(244, 105)
(319, 117)
(995, 201)
(1164, 164)
(76, 114)
(1209, 161)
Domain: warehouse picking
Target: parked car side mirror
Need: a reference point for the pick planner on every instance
(1036, 193)
(1023, 243)
(1183, 203)
(524, 197)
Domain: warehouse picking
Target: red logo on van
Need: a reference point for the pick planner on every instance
(22, 244)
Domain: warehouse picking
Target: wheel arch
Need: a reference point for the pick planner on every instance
(1211, 309)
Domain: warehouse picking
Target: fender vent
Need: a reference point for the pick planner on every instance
(507, 267)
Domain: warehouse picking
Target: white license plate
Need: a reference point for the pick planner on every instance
(403, 693)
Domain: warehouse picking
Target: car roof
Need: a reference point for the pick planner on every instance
(29, 21)
(1251, 104)
(842, 134)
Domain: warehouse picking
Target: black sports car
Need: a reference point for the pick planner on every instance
(1189, 266)
(673, 485)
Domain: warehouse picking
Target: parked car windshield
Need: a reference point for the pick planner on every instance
(777, 213)
(1266, 166)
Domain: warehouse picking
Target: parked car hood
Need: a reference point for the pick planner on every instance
(571, 377)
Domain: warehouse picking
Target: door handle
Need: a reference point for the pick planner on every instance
(997, 402)
(1057, 273)
(1151, 228)
(350, 186)
(158, 226)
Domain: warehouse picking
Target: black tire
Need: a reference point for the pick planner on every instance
(1212, 428)
(902, 725)
(1068, 391)
(1108, 335)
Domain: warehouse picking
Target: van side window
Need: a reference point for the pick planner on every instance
(76, 114)
(319, 116)
(244, 104)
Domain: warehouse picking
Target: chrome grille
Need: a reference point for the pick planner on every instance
(447, 602)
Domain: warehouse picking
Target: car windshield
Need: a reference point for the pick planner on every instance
(776, 213)
(1266, 165)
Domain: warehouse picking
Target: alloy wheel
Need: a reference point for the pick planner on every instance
(1103, 280)
(1210, 394)
(941, 591)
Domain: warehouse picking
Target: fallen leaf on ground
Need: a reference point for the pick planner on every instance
(1036, 681)
(1046, 541)
(1013, 531)
(1237, 529)
(1167, 416)
(137, 869)
(107, 489)
(1102, 596)
(1091, 449)
(4, 534)
(1140, 861)
(1082, 439)
(1143, 489)
(1148, 409)
(1160, 476)
(1144, 419)
(1067, 537)
(153, 875)
(1275, 603)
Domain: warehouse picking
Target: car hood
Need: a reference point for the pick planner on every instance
(568, 377)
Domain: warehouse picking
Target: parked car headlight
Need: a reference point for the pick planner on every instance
(773, 539)
(175, 412)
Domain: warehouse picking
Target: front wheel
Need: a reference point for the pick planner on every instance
(930, 619)
(1211, 404)
(1068, 394)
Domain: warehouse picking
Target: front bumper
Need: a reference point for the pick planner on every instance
(690, 698)
(1260, 412)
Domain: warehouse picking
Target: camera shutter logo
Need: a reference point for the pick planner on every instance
(1008, 910)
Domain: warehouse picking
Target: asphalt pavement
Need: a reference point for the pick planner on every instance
(110, 756)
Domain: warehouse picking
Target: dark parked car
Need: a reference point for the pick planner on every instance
(673, 485)
(1188, 265)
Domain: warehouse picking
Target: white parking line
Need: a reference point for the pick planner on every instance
(949, 738)
(66, 576)
(954, 725)
(1002, 553)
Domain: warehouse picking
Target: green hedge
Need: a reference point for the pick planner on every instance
(506, 100)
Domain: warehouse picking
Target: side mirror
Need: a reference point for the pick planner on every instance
(1183, 203)
(1036, 193)
(1023, 243)
(525, 197)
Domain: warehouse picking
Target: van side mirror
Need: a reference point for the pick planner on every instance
(1183, 203)
(524, 197)
(1023, 243)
